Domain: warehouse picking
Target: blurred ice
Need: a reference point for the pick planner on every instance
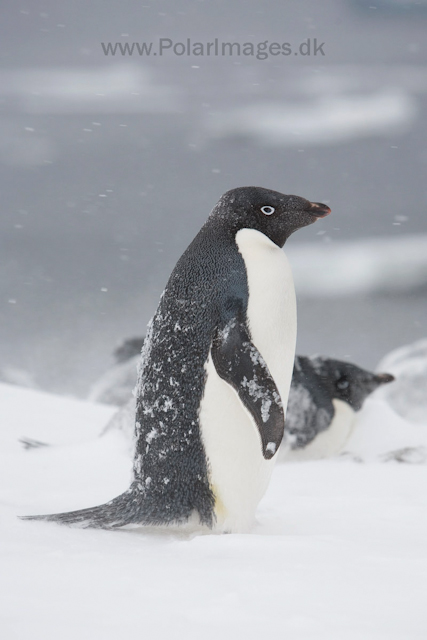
(111, 165)
(336, 79)
(327, 120)
(120, 88)
(390, 265)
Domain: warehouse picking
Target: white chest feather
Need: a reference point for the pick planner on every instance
(329, 442)
(272, 306)
(239, 474)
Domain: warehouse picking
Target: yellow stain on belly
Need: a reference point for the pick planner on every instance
(220, 510)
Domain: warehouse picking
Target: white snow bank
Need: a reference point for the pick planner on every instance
(326, 120)
(381, 434)
(47, 418)
(339, 550)
(408, 394)
(362, 266)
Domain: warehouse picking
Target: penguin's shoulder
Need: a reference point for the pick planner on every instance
(209, 280)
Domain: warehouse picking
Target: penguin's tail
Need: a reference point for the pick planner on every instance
(123, 510)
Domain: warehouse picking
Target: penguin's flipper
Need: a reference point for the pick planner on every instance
(240, 364)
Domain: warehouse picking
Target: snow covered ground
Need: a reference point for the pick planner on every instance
(339, 551)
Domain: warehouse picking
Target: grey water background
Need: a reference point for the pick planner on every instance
(110, 165)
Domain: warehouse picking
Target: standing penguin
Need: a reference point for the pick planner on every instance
(215, 372)
(324, 398)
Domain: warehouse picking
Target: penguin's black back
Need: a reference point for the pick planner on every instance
(170, 463)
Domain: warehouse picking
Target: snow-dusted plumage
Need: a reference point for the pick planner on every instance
(175, 479)
(324, 397)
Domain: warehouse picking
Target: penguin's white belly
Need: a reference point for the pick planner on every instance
(238, 472)
(329, 442)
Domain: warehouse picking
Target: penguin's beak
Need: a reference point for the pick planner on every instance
(384, 378)
(319, 210)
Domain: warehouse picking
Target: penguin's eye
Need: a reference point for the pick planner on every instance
(342, 383)
(268, 210)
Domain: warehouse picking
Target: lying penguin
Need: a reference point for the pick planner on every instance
(324, 397)
(323, 400)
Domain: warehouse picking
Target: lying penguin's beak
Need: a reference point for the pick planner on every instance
(384, 378)
(319, 210)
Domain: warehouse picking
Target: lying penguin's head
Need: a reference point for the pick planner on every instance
(274, 214)
(347, 382)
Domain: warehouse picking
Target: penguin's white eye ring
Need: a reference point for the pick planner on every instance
(342, 383)
(268, 210)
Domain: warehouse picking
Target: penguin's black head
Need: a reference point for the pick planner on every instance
(347, 382)
(274, 214)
